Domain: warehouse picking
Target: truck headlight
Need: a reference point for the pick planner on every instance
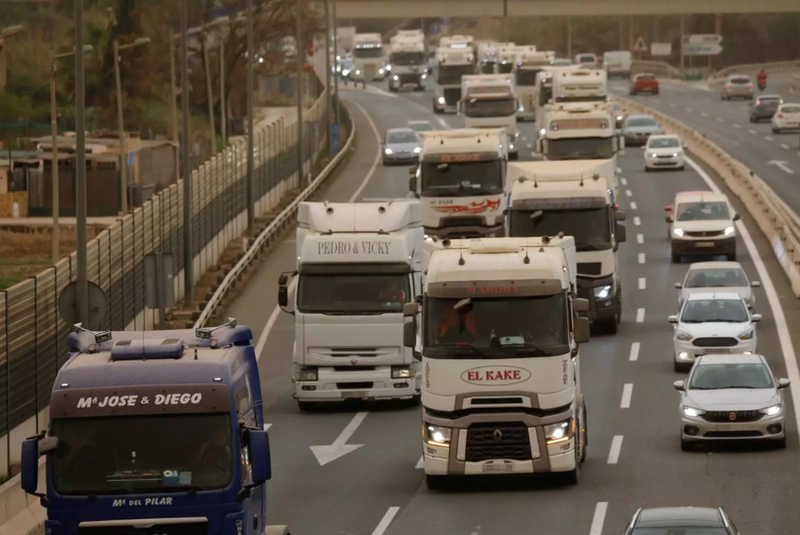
(678, 232)
(425, 76)
(602, 292)
(388, 67)
(358, 72)
(435, 435)
(729, 231)
(772, 411)
(441, 100)
(692, 412)
(307, 375)
(403, 373)
(380, 71)
(417, 150)
(748, 335)
(510, 146)
(560, 432)
(388, 151)
(395, 77)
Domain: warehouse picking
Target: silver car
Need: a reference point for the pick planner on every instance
(702, 277)
(737, 86)
(637, 129)
(731, 397)
(402, 145)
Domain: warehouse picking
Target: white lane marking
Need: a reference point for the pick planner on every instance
(624, 181)
(627, 392)
(642, 283)
(768, 138)
(640, 315)
(637, 221)
(616, 446)
(629, 193)
(704, 114)
(752, 132)
(657, 100)
(640, 239)
(634, 351)
(262, 339)
(524, 138)
(599, 518)
(784, 337)
(633, 206)
(619, 171)
(340, 447)
(530, 146)
(267, 426)
(385, 521)
(737, 125)
(784, 146)
(420, 463)
(784, 166)
(641, 258)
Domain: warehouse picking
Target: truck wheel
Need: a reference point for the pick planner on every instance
(419, 88)
(686, 445)
(435, 482)
(500, 233)
(306, 406)
(676, 258)
(513, 156)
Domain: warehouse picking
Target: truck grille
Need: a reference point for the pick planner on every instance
(345, 352)
(409, 77)
(452, 95)
(370, 72)
(498, 441)
(704, 234)
(589, 268)
(195, 528)
(725, 416)
(462, 222)
(715, 342)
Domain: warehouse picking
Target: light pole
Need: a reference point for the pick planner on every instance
(328, 96)
(80, 168)
(301, 53)
(188, 249)
(251, 195)
(54, 150)
(174, 105)
(336, 48)
(5, 33)
(123, 157)
(207, 66)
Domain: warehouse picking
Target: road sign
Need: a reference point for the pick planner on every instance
(701, 50)
(702, 39)
(640, 45)
(661, 49)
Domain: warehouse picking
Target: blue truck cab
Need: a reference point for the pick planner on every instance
(155, 433)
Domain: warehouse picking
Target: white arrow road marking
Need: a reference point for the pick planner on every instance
(420, 463)
(783, 165)
(340, 448)
(267, 426)
(385, 521)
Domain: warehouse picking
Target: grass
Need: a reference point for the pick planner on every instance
(15, 271)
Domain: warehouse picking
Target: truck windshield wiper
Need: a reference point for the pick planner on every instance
(538, 351)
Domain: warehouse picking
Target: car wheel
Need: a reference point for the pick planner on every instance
(647, 169)
(656, 93)
(778, 130)
(681, 367)
(415, 400)
(435, 482)
(681, 168)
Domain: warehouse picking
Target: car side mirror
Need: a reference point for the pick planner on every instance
(620, 233)
(668, 219)
(582, 330)
(619, 215)
(679, 385)
(410, 309)
(783, 382)
(579, 304)
(258, 446)
(755, 284)
(673, 319)
(737, 217)
(678, 285)
(668, 208)
(756, 318)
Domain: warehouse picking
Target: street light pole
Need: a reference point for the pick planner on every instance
(80, 167)
(188, 250)
(336, 52)
(300, 50)
(222, 108)
(328, 96)
(174, 103)
(251, 206)
(54, 165)
(209, 95)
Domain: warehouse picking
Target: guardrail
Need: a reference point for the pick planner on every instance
(753, 68)
(776, 220)
(659, 68)
(274, 230)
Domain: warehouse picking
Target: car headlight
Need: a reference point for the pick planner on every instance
(424, 76)
(772, 411)
(435, 435)
(692, 412)
(388, 151)
(729, 231)
(654, 155)
(674, 154)
(441, 100)
(380, 71)
(403, 373)
(417, 150)
(678, 232)
(748, 335)
(602, 292)
(388, 67)
(560, 432)
(307, 375)
(683, 337)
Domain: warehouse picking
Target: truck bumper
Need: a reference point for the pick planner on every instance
(377, 384)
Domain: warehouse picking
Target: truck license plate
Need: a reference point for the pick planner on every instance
(499, 467)
(705, 244)
(355, 394)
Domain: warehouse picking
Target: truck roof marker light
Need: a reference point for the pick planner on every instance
(546, 239)
(381, 209)
(561, 235)
(217, 379)
(213, 343)
(64, 385)
(596, 177)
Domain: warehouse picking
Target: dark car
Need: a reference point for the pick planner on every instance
(764, 107)
(644, 83)
(681, 521)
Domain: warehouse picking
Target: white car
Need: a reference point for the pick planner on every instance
(786, 118)
(704, 277)
(663, 152)
(701, 223)
(712, 323)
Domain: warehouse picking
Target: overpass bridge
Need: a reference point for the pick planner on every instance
(375, 9)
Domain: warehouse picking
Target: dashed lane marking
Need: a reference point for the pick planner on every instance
(640, 239)
(616, 447)
(634, 355)
(640, 315)
(641, 258)
(627, 392)
(642, 283)
(599, 518)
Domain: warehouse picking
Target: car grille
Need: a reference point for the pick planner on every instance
(733, 434)
(589, 268)
(452, 95)
(498, 441)
(715, 342)
(194, 528)
(703, 234)
(725, 416)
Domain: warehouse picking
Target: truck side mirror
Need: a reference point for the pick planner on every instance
(29, 473)
(410, 333)
(579, 304)
(542, 146)
(620, 233)
(283, 295)
(582, 332)
(258, 444)
(412, 184)
(410, 309)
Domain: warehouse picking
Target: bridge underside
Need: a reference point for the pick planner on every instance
(373, 9)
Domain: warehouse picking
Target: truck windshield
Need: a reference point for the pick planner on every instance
(527, 77)
(490, 107)
(408, 58)
(352, 294)
(505, 323)
(368, 52)
(580, 148)
(545, 93)
(141, 454)
(582, 98)
(465, 179)
(451, 74)
(590, 227)
(505, 67)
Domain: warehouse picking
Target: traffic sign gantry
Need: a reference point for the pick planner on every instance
(640, 45)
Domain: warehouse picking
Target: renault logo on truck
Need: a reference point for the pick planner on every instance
(497, 435)
(496, 375)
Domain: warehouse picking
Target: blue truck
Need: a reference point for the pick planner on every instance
(155, 433)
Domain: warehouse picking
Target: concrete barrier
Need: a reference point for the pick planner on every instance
(20, 513)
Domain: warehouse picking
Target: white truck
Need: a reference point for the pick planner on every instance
(460, 181)
(573, 197)
(407, 61)
(527, 64)
(505, 58)
(457, 41)
(618, 63)
(368, 63)
(344, 38)
(450, 65)
(486, 57)
(544, 91)
(490, 101)
(500, 348)
(357, 265)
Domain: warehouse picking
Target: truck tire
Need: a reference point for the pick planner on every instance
(731, 257)
(435, 482)
(573, 476)
(419, 88)
(513, 156)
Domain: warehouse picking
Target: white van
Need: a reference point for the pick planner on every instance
(617, 63)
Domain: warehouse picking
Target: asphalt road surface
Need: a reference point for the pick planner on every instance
(634, 457)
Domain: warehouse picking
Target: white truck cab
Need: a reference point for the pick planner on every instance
(460, 181)
(451, 64)
(490, 101)
(505, 58)
(368, 61)
(527, 64)
(573, 197)
(357, 265)
(501, 392)
(544, 90)
(486, 57)
(407, 61)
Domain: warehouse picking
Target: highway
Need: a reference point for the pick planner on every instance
(634, 457)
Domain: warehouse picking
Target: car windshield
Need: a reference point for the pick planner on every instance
(461, 179)
(715, 311)
(590, 228)
(402, 137)
(641, 121)
(505, 67)
(580, 148)
(352, 294)
(702, 211)
(790, 109)
(587, 58)
(722, 376)
(740, 81)
(489, 107)
(408, 58)
(497, 323)
(681, 531)
(143, 454)
(545, 91)
(716, 278)
(562, 62)
(768, 100)
(663, 143)
(420, 127)
(368, 52)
